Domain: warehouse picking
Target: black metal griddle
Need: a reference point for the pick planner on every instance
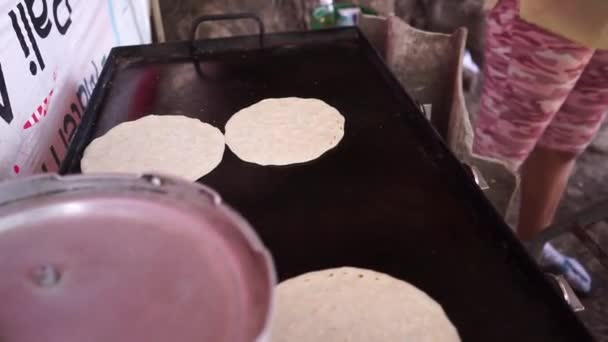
(389, 197)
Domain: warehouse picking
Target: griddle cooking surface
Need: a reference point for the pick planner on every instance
(389, 197)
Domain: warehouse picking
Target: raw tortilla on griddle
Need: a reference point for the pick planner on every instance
(166, 144)
(357, 305)
(284, 131)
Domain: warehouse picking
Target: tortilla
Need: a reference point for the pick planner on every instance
(284, 131)
(167, 144)
(356, 305)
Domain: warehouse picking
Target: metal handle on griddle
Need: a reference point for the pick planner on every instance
(235, 16)
(576, 225)
(569, 296)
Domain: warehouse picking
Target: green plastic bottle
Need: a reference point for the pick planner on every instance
(324, 15)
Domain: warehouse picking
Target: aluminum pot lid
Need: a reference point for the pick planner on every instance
(125, 258)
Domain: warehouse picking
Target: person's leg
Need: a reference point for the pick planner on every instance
(544, 176)
(528, 75)
(545, 173)
(497, 57)
(525, 86)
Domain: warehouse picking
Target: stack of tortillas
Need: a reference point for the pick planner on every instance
(356, 305)
(167, 144)
(284, 131)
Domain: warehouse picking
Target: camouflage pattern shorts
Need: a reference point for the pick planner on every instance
(539, 89)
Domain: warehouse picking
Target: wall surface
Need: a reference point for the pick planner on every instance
(51, 54)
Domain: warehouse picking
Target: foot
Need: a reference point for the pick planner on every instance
(573, 271)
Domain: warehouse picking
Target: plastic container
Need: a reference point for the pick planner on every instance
(323, 15)
(125, 258)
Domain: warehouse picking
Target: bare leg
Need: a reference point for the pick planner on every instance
(544, 177)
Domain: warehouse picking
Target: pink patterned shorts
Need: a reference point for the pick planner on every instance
(539, 88)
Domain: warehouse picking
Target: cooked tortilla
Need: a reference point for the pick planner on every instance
(168, 144)
(284, 131)
(356, 305)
